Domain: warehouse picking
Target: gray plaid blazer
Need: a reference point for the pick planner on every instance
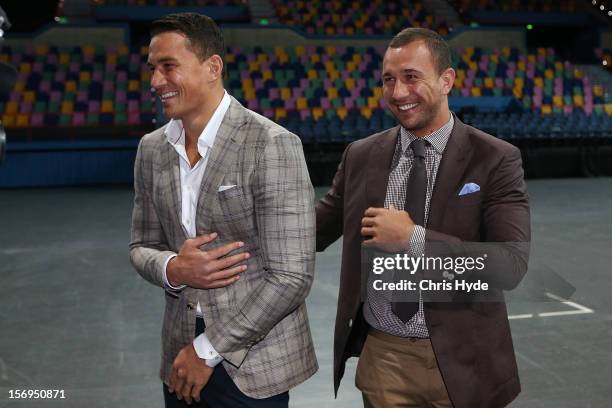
(258, 324)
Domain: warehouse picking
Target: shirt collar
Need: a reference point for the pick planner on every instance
(437, 138)
(175, 133)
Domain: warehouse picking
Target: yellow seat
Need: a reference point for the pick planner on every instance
(317, 113)
(558, 101)
(67, 107)
(25, 67)
(285, 93)
(19, 86)
(517, 92)
(312, 74)
(8, 120)
(107, 106)
(350, 83)
(280, 113)
(29, 96)
(301, 103)
(373, 102)
(367, 112)
(332, 93)
(70, 86)
(64, 58)
(342, 113)
(546, 109)
(22, 120)
(488, 83)
(608, 108)
(133, 85)
(578, 100)
(11, 108)
(85, 76)
(476, 91)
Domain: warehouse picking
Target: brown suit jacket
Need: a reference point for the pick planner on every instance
(471, 340)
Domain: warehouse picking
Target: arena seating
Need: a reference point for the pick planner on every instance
(324, 94)
(537, 6)
(163, 3)
(344, 17)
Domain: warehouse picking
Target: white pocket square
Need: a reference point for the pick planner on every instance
(469, 188)
(223, 188)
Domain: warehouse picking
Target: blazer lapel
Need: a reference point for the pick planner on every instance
(224, 151)
(170, 170)
(452, 168)
(379, 166)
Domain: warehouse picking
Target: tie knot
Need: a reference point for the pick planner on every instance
(418, 148)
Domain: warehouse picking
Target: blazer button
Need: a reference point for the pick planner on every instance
(190, 306)
(350, 323)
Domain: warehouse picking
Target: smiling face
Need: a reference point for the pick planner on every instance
(415, 93)
(183, 82)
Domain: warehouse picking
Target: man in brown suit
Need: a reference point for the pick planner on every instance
(456, 184)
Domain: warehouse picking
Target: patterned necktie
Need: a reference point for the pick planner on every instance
(415, 206)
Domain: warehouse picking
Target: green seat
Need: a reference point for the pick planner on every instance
(39, 107)
(54, 107)
(65, 119)
(120, 118)
(92, 119)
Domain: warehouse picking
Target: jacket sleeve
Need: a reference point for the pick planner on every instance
(148, 247)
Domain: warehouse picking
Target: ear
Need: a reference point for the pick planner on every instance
(447, 80)
(215, 66)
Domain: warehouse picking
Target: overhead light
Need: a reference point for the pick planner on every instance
(602, 8)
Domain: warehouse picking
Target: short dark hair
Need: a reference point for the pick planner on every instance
(204, 37)
(438, 47)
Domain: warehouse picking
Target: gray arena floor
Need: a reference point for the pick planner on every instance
(75, 316)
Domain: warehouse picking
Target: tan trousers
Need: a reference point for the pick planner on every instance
(399, 372)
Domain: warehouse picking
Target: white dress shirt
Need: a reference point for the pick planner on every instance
(191, 179)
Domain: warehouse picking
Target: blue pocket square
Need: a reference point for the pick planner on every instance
(469, 188)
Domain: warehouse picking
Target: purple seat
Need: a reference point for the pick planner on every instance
(305, 113)
(325, 103)
(253, 104)
(133, 105)
(81, 96)
(78, 119)
(60, 76)
(14, 97)
(290, 103)
(259, 83)
(120, 96)
(273, 93)
(97, 76)
(122, 76)
(108, 86)
(349, 103)
(25, 107)
(37, 119)
(74, 67)
(94, 107)
(134, 118)
(55, 96)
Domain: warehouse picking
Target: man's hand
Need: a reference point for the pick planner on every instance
(189, 375)
(388, 229)
(206, 269)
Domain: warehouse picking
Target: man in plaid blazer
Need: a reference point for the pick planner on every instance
(224, 221)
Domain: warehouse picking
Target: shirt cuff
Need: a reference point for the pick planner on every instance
(417, 241)
(167, 284)
(205, 350)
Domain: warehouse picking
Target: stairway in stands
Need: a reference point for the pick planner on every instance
(262, 10)
(443, 11)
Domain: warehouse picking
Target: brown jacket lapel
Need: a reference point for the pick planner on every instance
(452, 168)
(379, 166)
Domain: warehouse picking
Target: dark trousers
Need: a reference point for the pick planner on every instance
(221, 392)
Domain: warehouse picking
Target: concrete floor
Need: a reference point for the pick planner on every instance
(75, 316)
